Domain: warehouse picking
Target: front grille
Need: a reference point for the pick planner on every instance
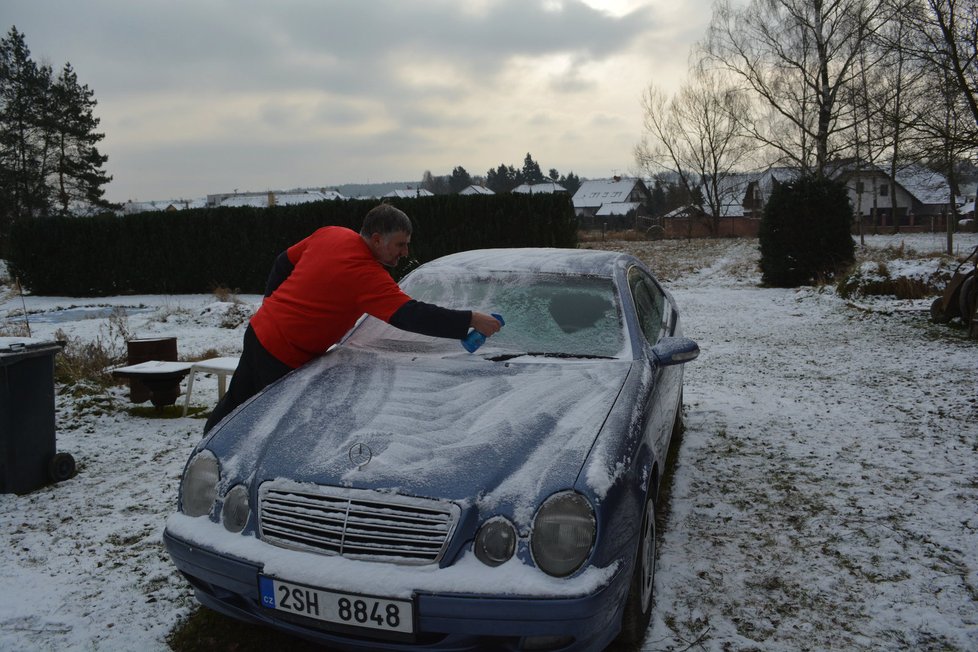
(355, 523)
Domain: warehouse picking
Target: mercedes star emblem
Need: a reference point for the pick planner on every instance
(360, 455)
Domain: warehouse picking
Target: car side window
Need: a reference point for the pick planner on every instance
(649, 304)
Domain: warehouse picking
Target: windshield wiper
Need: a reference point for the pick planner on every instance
(547, 354)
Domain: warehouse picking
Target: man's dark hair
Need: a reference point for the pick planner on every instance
(385, 219)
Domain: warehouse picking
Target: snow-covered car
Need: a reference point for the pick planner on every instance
(401, 493)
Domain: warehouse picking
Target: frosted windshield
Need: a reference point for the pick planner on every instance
(559, 314)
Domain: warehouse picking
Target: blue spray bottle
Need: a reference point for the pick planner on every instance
(475, 339)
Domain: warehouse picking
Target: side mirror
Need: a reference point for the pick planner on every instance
(675, 350)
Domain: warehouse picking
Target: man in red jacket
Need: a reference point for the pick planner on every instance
(317, 290)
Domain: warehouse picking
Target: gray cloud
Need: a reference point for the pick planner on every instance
(212, 93)
(313, 44)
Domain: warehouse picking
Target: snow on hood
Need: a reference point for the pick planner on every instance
(457, 427)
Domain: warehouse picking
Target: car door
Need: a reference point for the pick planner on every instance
(656, 319)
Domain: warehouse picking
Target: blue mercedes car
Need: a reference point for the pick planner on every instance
(401, 493)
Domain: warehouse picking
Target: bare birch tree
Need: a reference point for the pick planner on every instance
(896, 92)
(695, 134)
(950, 28)
(945, 131)
(798, 57)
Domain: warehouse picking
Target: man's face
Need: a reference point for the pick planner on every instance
(389, 249)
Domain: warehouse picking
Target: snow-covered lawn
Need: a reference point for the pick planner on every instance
(824, 497)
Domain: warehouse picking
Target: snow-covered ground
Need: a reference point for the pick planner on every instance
(824, 497)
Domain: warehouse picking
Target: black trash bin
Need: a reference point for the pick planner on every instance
(28, 459)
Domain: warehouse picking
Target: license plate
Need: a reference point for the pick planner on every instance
(339, 608)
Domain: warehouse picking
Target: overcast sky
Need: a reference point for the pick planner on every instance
(208, 96)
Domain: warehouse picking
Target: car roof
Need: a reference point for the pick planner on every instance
(588, 262)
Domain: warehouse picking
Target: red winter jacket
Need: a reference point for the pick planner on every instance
(335, 279)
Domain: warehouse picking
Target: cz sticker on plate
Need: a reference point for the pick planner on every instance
(338, 608)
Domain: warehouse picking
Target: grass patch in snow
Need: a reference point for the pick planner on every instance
(917, 280)
(209, 631)
(150, 411)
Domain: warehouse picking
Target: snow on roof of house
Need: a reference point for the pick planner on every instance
(927, 186)
(728, 209)
(681, 211)
(408, 193)
(768, 177)
(132, 207)
(476, 190)
(539, 188)
(275, 198)
(592, 194)
(617, 208)
(332, 194)
(732, 209)
(240, 201)
(305, 197)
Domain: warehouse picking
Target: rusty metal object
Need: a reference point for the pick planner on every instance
(143, 350)
(953, 303)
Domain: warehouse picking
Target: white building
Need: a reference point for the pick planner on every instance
(616, 196)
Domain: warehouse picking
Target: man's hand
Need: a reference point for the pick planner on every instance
(485, 324)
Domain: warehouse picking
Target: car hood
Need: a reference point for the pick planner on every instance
(456, 427)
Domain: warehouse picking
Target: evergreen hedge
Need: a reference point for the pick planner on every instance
(198, 250)
(805, 232)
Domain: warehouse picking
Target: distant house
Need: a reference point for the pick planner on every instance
(409, 193)
(268, 198)
(265, 200)
(919, 199)
(253, 200)
(741, 198)
(476, 190)
(305, 197)
(548, 187)
(616, 197)
(758, 186)
(167, 205)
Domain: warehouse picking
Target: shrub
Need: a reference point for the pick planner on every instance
(86, 362)
(191, 251)
(83, 362)
(903, 279)
(805, 232)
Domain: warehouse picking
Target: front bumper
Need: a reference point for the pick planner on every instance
(444, 621)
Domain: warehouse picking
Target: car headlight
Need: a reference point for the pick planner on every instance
(496, 542)
(563, 533)
(235, 512)
(199, 486)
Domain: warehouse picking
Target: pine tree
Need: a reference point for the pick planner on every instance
(77, 175)
(502, 179)
(531, 170)
(571, 183)
(805, 232)
(24, 100)
(49, 162)
(657, 205)
(460, 179)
